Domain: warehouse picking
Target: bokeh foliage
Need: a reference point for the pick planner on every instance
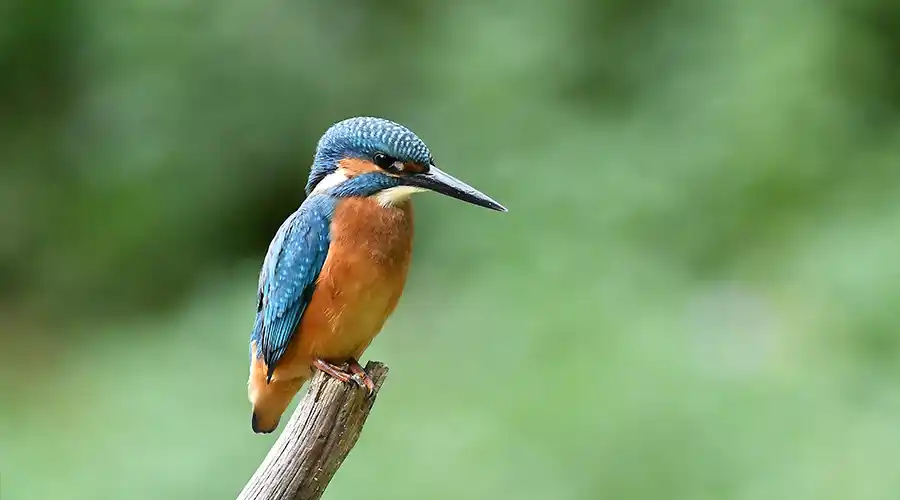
(694, 295)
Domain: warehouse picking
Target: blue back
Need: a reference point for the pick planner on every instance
(288, 276)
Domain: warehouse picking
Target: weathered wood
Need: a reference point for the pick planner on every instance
(316, 440)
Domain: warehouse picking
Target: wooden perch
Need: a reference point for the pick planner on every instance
(316, 440)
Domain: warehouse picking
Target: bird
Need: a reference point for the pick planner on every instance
(337, 266)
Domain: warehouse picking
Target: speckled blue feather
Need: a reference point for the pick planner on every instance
(288, 276)
(364, 185)
(362, 137)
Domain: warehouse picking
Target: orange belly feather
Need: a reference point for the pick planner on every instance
(358, 288)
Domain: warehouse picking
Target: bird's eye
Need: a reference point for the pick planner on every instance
(387, 162)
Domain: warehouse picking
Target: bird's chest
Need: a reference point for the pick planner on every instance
(365, 272)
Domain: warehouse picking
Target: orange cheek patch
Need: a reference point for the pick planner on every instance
(355, 166)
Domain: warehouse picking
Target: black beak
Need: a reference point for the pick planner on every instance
(441, 182)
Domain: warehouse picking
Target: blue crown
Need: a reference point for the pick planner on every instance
(362, 137)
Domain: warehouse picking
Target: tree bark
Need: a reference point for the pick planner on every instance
(316, 440)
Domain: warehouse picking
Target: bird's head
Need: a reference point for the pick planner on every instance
(379, 158)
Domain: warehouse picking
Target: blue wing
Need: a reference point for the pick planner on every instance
(288, 277)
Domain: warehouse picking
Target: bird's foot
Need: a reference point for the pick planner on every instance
(357, 375)
(335, 371)
(360, 376)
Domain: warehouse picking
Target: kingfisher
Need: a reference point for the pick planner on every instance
(337, 266)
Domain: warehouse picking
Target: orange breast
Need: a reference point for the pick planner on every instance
(359, 285)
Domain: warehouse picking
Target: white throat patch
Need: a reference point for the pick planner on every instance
(392, 196)
(331, 180)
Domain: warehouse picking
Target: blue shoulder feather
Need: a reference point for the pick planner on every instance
(288, 276)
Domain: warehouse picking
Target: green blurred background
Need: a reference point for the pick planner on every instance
(694, 295)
